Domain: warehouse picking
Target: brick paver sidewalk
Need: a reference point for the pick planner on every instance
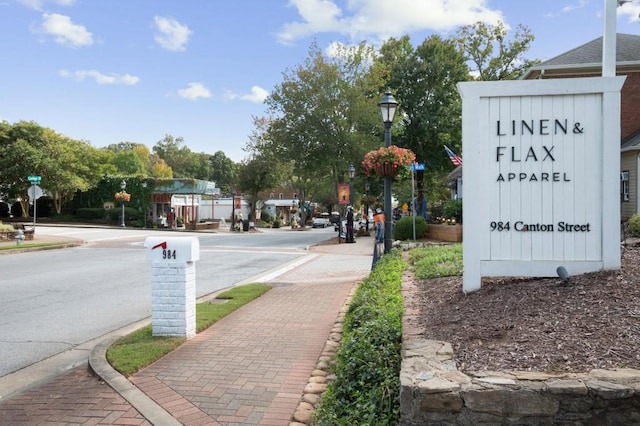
(249, 368)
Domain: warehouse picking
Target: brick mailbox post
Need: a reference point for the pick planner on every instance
(173, 292)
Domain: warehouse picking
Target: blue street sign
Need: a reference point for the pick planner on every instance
(417, 166)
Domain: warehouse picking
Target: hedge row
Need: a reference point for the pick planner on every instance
(366, 389)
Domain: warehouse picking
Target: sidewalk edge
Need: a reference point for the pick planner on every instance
(147, 407)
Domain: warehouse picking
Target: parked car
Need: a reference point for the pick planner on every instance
(320, 222)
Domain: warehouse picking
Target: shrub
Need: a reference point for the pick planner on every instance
(130, 213)
(90, 213)
(452, 209)
(634, 225)
(366, 390)
(403, 229)
(4, 209)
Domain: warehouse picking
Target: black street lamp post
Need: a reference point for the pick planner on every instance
(351, 172)
(388, 106)
(366, 204)
(233, 210)
(123, 186)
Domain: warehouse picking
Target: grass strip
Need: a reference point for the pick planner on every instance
(436, 261)
(140, 348)
(29, 245)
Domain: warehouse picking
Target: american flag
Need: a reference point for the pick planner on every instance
(457, 161)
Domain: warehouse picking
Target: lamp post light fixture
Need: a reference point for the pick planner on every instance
(123, 186)
(388, 106)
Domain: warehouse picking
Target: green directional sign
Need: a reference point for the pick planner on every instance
(34, 179)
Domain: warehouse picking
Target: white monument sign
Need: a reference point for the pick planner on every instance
(541, 172)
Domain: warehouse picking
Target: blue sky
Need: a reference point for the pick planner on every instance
(107, 71)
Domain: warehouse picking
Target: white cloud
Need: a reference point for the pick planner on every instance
(64, 31)
(631, 11)
(172, 34)
(195, 91)
(100, 78)
(39, 4)
(381, 19)
(257, 95)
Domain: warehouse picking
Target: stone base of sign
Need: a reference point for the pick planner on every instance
(173, 298)
(433, 391)
(451, 233)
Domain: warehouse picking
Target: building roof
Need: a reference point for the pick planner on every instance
(186, 186)
(632, 143)
(587, 59)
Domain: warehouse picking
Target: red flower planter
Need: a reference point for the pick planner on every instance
(387, 170)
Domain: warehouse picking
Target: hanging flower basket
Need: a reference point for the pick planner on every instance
(387, 162)
(122, 196)
(387, 169)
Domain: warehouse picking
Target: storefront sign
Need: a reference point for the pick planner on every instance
(541, 161)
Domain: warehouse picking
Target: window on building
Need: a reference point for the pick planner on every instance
(281, 196)
(624, 185)
(295, 195)
(271, 196)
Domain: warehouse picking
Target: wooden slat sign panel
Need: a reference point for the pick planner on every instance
(541, 161)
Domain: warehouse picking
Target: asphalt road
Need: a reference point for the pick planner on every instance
(56, 304)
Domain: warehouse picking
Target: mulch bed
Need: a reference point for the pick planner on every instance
(536, 324)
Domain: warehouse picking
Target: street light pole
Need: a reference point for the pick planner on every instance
(123, 186)
(366, 204)
(233, 210)
(352, 173)
(388, 106)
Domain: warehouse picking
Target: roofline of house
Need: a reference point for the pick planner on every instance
(590, 68)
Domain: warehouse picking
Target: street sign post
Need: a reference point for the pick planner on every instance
(34, 195)
(414, 168)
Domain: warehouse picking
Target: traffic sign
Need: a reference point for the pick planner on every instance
(34, 179)
(417, 166)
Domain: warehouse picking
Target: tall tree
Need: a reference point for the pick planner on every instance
(258, 174)
(424, 82)
(321, 117)
(65, 165)
(176, 154)
(223, 171)
(491, 55)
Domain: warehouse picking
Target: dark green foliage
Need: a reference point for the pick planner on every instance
(403, 229)
(634, 225)
(130, 213)
(16, 210)
(89, 213)
(452, 209)
(4, 209)
(367, 386)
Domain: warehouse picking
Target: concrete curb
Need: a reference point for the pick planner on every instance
(153, 412)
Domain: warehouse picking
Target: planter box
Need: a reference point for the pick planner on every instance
(208, 225)
(451, 233)
(11, 235)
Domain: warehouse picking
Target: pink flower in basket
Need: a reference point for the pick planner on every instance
(386, 161)
(122, 196)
